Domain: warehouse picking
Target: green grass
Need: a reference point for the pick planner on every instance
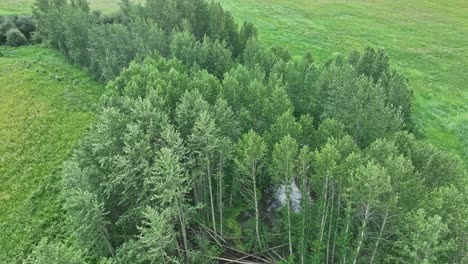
(46, 105)
(427, 40)
(14, 7)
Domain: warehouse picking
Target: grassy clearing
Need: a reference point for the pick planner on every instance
(427, 40)
(45, 107)
(14, 7)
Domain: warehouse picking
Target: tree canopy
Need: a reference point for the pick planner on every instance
(203, 130)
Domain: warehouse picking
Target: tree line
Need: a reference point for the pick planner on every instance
(203, 129)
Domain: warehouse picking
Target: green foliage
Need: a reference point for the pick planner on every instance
(5, 26)
(358, 104)
(157, 238)
(55, 252)
(285, 125)
(15, 38)
(250, 152)
(87, 215)
(204, 131)
(26, 25)
(439, 107)
(213, 56)
(241, 89)
(41, 121)
(423, 240)
(140, 31)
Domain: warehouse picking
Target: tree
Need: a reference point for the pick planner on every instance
(423, 237)
(77, 23)
(257, 55)
(242, 88)
(157, 237)
(327, 129)
(285, 125)
(190, 107)
(300, 78)
(54, 252)
(87, 217)
(185, 47)
(359, 104)
(251, 151)
(304, 161)
(165, 13)
(333, 164)
(369, 183)
(148, 38)
(215, 57)
(247, 32)
(225, 119)
(169, 181)
(204, 142)
(207, 85)
(283, 170)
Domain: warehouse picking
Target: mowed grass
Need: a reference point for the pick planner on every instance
(426, 39)
(15, 7)
(46, 105)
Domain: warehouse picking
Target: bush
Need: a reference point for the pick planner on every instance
(36, 37)
(15, 38)
(4, 27)
(26, 25)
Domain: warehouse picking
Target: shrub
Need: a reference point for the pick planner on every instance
(4, 27)
(15, 38)
(36, 37)
(26, 25)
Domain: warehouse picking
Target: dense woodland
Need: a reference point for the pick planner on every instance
(211, 147)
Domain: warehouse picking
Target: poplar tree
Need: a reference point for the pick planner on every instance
(251, 151)
(204, 142)
(369, 184)
(170, 182)
(283, 170)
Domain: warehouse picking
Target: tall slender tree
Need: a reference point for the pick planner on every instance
(251, 150)
(283, 171)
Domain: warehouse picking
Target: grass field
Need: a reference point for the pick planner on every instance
(13, 7)
(427, 40)
(45, 107)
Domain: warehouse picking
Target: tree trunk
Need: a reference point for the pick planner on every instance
(220, 194)
(336, 225)
(361, 236)
(182, 226)
(213, 218)
(374, 253)
(348, 219)
(325, 210)
(232, 190)
(288, 200)
(257, 232)
(330, 222)
(304, 214)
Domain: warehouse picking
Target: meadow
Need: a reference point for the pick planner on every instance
(14, 7)
(426, 40)
(46, 105)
